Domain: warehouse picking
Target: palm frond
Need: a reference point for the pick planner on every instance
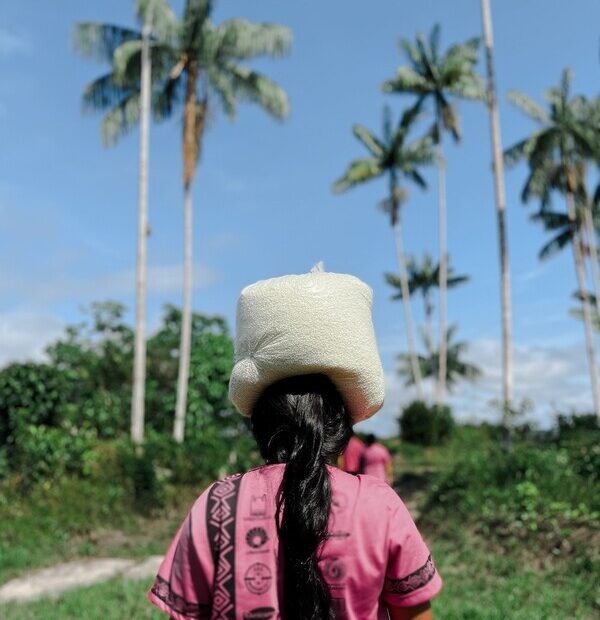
(167, 95)
(369, 140)
(515, 153)
(121, 119)
(394, 281)
(527, 105)
(359, 171)
(407, 80)
(240, 39)
(193, 24)
(99, 41)
(103, 93)
(124, 55)
(160, 17)
(555, 245)
(252, 86)
(411, 52)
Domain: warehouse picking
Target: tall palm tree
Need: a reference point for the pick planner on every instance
(456, 368)
(556, 155)
(500, 197)
(197, 67)
(101, 41)
(393, 157)
(424, 277)
(441, 78)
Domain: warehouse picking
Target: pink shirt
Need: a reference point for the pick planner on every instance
(374, 553)
(375, 459)
(352, 454)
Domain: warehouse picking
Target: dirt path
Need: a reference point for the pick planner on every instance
(55, 580)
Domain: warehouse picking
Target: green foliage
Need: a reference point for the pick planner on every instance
(30, 393)
(426, 425)
(47, 453)
(509, 495)
(191, 49)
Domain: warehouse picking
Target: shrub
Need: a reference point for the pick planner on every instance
(426, 425)
(43, 453)
(30, 394)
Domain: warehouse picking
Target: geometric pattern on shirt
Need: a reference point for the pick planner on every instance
(220, 524)
(417, 579)
(162, 590)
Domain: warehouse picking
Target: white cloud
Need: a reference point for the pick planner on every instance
(554, 377)
(13, 42)
(161, 279)
(25, 334)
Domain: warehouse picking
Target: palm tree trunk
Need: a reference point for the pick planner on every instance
(593, 248)
(186, 320)
(505, 290)
(429, 330)
(441, 383)
(193, 119)
(139, 356)
(585, 306)
(428, 322)
(414, 362)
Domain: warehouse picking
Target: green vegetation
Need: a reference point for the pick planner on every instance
(515, 535)
(426, 425)
(114, 600)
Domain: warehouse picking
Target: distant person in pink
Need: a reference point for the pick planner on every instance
(351, 458)
(376, 460)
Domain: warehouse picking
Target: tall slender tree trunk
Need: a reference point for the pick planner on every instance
(139, 355)
(412, 352)
(193, 123)
(186, 319)
(443, 281)
(591, 242)
(428, 322)
(585, 306)
(429, 330)
(505, 290)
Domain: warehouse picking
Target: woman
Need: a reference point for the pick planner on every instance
(297, 538)
(376, 460)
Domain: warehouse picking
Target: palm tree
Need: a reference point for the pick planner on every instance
(442, 78)
(456, 368)
(196, 67)
(556, 155)
(500, 197)
(101, 41)
(392, 157)
(423, 277)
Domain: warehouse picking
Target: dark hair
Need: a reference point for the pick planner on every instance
(302, 421)
(370, 439)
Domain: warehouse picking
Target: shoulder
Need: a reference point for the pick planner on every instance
(377, 489)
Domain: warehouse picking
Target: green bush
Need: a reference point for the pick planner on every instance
(45, 453)
(533, 487)
(426, 425)
(106, 413)
(30, 394)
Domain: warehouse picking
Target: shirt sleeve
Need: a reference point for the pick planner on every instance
(411, 576)
(182, 587)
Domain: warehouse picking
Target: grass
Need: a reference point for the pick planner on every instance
(479, 585)
(75, 518)
(113, 600)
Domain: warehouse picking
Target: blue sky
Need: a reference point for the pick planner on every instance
(263, 200)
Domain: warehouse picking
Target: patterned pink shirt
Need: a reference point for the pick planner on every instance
(225, 560)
